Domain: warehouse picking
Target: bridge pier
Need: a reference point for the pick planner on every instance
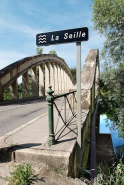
(56, 79)
(59, 80)
(62, 80)
(14, 90)
(52, 76)
(25, 85)
(68, 83)
(65, 82)
(34, 82)
(41, 80)
(47, 77)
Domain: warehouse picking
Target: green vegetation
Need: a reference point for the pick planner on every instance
(73, 71)
(6, 94)
(113, 176)
(108, 19)
(23, 175)
(112, 96)
(53, 52)
(39, 51)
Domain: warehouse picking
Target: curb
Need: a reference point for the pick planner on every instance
(15, 153)
(5, 147)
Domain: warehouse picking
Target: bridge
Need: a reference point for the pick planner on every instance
(55, 74)
(52, 71)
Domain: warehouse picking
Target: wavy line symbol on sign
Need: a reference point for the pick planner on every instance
(42, 36)
(42, 39)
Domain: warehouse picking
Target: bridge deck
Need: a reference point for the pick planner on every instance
(35, 134)
(30, 140)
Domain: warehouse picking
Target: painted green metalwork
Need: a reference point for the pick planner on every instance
(50, 99)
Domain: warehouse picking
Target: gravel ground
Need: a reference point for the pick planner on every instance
(44, 175)
(5, 169)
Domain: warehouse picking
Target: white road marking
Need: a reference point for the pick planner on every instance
(14, 107)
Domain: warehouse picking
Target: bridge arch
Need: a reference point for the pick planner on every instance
(89, 79)
(52, 71)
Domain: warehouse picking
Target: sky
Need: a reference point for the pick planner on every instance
(21, 20)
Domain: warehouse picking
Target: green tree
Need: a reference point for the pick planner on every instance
(20, 87)
(73, 71)
(6, 93)
(39, 51)
(112, 93)
(108, 19)
(53, 52)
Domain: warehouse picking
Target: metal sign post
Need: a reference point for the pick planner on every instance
(78, 46)
(69, 36)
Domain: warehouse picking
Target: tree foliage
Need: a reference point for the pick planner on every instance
(108, 19)
(112, 93)
(73, 71)
(53, 52)
(39, 51)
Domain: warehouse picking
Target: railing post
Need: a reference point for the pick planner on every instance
(65, 108)
(73, 103)
(50, 99)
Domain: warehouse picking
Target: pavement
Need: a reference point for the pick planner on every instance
(26, 144)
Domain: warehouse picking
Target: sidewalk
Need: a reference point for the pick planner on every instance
(26, 144)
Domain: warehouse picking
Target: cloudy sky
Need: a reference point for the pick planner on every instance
(21, 20)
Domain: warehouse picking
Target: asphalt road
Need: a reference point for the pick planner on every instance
(17, 114)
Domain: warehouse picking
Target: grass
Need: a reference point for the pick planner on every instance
(12, 145)
(23, 175)
(113, 175)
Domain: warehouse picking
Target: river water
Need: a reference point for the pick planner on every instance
(118, 142)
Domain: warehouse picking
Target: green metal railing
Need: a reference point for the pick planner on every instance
(65, 119)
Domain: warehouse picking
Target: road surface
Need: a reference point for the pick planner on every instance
(17, 114)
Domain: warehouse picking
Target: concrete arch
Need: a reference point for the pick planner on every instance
(89, 79)
(9, 75)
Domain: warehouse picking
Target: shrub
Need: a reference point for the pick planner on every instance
(115, 176)
(23, 175)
